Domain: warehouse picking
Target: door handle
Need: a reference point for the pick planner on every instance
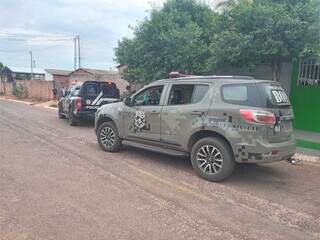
(197, 113)
(154, 112)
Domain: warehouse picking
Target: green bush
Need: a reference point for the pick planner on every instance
(19, 91)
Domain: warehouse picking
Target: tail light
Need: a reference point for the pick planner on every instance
(78, 104)
(257, 116)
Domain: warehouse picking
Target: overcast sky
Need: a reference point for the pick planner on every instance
(47, 27)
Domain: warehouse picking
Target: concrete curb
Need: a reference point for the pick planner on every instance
(35, 104)
(17, 101)
(307, 155)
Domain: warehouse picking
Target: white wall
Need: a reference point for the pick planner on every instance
(48, 76)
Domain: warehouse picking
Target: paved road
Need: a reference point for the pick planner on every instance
(55, 183)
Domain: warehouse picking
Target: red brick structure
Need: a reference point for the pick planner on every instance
(34, 89)
(59, 77)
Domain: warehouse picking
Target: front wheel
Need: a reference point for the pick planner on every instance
(212, 159)
(108, 137)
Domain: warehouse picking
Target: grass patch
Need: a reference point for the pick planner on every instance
(308, 144)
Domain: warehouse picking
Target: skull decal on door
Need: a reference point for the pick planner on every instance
(139, 119)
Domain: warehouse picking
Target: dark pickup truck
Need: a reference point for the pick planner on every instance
(82, 100)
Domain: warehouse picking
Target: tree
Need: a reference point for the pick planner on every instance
(188, 36)
(176, 37)
(266, 32)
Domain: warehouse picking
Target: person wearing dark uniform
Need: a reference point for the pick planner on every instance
(126, 93)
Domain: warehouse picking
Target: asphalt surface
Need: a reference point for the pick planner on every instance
(56, 183)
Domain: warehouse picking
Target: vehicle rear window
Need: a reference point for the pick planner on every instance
(91, 90)
(109, 90)
(273, 96)
(264, 95)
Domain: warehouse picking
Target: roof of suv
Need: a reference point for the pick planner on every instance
(210, 78)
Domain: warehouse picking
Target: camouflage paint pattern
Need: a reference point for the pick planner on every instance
(175, 124)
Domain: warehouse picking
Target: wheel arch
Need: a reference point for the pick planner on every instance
(206, 133)
(103, 119)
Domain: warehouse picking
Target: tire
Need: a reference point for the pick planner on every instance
(72, 119)
(61, 116)
(212, 159)
(108, 137)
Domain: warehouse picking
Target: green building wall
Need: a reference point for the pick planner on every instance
(305, 101)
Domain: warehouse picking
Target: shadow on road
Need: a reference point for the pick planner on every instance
(243, 173)
(81, 124)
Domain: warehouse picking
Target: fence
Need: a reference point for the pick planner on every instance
(35, 89)
(305, 99)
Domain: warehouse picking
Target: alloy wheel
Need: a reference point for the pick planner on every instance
(209, 159)
(107, 137)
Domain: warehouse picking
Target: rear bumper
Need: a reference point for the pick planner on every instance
(85, 114)
(263, 152)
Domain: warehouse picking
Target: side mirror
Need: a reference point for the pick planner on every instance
(127, 101)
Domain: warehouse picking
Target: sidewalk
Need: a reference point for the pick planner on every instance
(307, 136)
(308, 142)
(46, 104)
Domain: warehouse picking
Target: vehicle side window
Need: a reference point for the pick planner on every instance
(235, 93)
(241, 94)
(187, 93)
(92, 90)
(149, 97)
(199, 92)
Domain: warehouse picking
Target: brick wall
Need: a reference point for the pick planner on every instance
(35, 89)
(62, 80)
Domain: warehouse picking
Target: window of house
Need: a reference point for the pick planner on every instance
(309, 73)
(149, 97)
(187, 93)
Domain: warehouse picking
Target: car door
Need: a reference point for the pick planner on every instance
(185, 110)
(142, 117)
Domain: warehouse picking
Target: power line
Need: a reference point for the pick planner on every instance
(36, 50)
(34, 38)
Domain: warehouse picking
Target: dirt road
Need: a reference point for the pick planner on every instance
(55, 183)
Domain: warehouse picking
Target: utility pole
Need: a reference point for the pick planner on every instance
(75, 53)
(34, 63)
(79, 51)
(31, 61)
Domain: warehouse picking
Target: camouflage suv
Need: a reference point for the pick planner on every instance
(216, 120)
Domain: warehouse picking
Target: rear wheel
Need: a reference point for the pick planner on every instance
(212, 159)
(61, 116)
(108, 137)
(72, 118)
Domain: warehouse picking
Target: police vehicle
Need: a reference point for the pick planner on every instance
(216, 120)
(82, 100)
